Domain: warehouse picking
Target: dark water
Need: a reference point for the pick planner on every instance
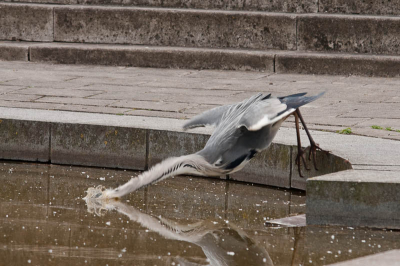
(182, 221)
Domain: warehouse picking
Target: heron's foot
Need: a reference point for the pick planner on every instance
(299, 158)
(313, 153)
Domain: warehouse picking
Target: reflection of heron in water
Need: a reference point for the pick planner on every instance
(242, 130)
(223, 244)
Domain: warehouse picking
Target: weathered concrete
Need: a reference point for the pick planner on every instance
(296, 6)
(355, 198)
(358, 150)
(160, 57)
(97, 140)
(355, 34)
(205, 58)
(164, 144)
(103, 146)
(174, 27)
(13, 52)
(26, 22)
(24, 140)
(384, 7)
(334, 64)
(270, 167)
(326, 163)
(387, 258)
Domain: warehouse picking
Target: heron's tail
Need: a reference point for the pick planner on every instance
(296, 100)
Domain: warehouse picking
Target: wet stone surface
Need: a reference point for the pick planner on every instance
(44, 221)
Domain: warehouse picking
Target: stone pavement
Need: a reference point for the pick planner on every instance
(350, 102)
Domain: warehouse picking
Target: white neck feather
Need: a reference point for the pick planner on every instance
(188, 164)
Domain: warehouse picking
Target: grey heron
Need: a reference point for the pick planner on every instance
(241, 131)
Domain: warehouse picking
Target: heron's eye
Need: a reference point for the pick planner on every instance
(242, 129)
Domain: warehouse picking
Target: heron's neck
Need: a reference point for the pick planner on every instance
(165, 227)
(188, 164)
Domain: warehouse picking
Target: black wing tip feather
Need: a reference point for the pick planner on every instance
(293, 95)
(297, 100)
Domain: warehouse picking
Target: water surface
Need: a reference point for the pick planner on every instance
(180, 221)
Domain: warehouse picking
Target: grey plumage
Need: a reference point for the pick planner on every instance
(241, 131)
(246, 128)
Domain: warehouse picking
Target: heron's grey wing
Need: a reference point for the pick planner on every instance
(210, 117)
(264, 113)
(272, 110)
(227, 131)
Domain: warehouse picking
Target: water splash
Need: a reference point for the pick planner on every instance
(97, 201)
(99, 192)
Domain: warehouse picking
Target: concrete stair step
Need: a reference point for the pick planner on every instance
(202, 58)
(385, 7)
(200, 28)
(148, 26)
(292, 6)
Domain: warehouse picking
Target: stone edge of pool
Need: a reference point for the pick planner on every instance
(357, 184)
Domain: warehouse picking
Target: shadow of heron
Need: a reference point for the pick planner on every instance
(222, 243)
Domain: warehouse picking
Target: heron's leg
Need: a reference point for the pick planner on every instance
(300, 151)
(313, 146)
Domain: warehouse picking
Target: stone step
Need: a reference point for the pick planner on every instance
(200, 28)
(355, 198)
(292, 6)
(385, 7)
(202, 58)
